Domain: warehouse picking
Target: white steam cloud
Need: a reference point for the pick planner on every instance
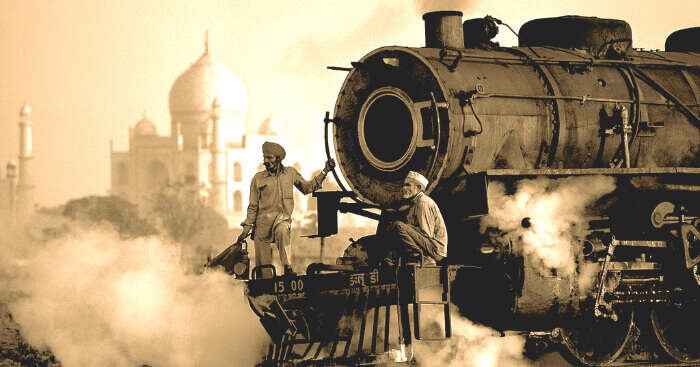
(558, 216)
(557, 212)
(588, 274)
(471, 345)
(95, 300)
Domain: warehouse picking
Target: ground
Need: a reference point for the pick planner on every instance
(14, 351)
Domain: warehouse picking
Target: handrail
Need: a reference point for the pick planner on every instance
(582, 99)
(583, 60)
(326, 121)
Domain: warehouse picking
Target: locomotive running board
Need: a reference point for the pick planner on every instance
(367, 311)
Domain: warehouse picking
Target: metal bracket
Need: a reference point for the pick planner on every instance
(624, 128)
(688, 230)
(600, 303)
(455, 63)
(338, 68)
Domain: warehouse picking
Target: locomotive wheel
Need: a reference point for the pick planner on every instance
(595, 341)
(676, 329)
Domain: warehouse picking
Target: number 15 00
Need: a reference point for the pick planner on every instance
(295, 285)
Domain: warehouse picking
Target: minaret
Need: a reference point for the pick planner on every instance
(217, 171)
(25, 184)
(12, 189)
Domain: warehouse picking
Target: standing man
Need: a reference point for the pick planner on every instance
(271, 204)
(424, 230)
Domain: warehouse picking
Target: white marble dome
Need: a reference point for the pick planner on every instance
(195, 89)
(272, 127)
(145, 127)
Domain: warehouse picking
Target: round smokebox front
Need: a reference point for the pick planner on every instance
(387, 129)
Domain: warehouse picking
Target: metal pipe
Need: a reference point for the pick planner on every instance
(624, 122)
(326, 121)
(338, 68)
(582, 61)
(658, 279)
(582, 99)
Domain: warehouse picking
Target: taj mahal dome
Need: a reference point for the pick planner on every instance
(208, 149)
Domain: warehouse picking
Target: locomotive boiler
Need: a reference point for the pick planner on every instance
(573, 101)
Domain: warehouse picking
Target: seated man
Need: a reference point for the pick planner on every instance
(424, 229)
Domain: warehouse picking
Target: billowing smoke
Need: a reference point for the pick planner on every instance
(557, 212)
(588, 273)
(95, 300)
(471, 345)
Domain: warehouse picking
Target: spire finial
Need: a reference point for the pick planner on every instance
(206, 41)
(215, 106)
(25, 110)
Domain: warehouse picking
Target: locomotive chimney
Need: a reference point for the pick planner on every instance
(443, 29)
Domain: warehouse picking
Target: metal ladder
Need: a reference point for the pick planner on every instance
(444, 300)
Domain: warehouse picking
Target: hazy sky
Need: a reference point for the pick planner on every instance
(90, 68)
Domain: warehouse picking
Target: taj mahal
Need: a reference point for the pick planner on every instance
(208, 148)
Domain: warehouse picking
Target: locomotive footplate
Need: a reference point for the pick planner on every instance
(348, 317)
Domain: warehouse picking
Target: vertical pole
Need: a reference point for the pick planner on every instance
(13, 200)
(387, 330)
(624, 117)
(375, 327)
(217, 175)
(323, 244)
(12, 190)
(24, 204)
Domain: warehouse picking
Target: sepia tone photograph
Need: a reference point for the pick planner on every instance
(330, 183)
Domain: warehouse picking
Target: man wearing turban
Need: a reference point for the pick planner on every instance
(271, 205)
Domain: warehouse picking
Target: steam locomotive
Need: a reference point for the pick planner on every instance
(573, 100)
